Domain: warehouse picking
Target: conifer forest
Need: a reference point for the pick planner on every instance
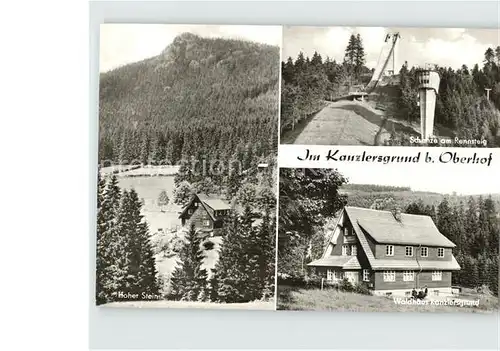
(188, 180)
(208, 106)
(307, 213)
(462, 108)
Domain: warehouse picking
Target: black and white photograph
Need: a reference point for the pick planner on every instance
(388, 239)
(390, 86)
(187, 174)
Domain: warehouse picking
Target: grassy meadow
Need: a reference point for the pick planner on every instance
(299, 299)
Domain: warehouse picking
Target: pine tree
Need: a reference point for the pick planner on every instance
(300, 64)
(108, 270)
(266, 236)
(145, 150)
(142, 267)
(489, 56)
(116, 253)
(483, 270)
(252, 252)
(230, 271)
(163, 199)
(288, 71)
(482, 239)
(359, 56)
(472, 227)
(189, 279)
(234, 177)
(183, 193)
(445, 220)
(459, 225)
(494, 273)
(473, 273)
(101, 239)
(350, 51)
(158, 150)
(213, 286)
(124, 152)
(492, 227)
(317, 60)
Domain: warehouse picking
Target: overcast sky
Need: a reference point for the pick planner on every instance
(444, 179)
(126, 43)
(446, 47)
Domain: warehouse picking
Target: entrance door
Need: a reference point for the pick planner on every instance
(353, 277)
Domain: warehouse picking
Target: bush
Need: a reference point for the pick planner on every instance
(301, 282)
(361, 288)
(345, 285)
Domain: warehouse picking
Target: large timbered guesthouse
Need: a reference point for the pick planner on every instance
(207, 212)
(389, 251)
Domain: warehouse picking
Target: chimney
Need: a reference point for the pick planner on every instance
(396, 212)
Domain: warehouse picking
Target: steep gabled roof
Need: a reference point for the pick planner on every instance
(385, 229)
(379, 220)
(210, 203)
(214, 202)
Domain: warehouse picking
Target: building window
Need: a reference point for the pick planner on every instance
(389, 276)
(206, 223)
(424, 252)
(190, 211)
(436, 292)
(389, 250)
(329, 275)
(366, 275)
(409, 251)
(408, 276)
(345, 249)
(440, 252)
(195, 204)
(437, 275)
(354, 250)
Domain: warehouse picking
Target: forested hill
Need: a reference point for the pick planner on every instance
(382, 197)
(199, 96)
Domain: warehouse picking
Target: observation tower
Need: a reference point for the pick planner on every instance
(428, 88)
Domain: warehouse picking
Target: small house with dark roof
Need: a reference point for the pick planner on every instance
(207, 212)
(389, 251)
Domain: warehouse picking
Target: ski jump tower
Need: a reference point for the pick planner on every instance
(387, 61)
(428, 88)
(391, 66)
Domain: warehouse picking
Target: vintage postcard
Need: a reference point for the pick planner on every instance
(388, 238)
(188, 137)
(390, 86)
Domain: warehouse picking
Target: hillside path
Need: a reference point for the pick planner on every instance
(344, 123)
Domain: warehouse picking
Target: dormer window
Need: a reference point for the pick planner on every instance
(345, 249)
(354, 250)
(389, 250)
